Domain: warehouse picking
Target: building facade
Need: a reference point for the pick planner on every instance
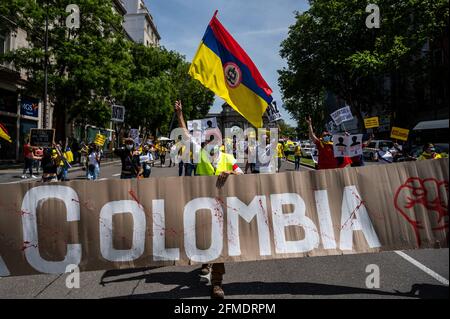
(139, 24)
(229, 118)
(18, 112)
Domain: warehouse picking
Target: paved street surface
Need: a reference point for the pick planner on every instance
(410, 274)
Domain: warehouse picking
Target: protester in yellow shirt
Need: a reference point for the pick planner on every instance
(223, 166)
(280, 154)
(297, 156)
(429, 152)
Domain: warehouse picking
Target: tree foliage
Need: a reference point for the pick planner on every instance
(95, 65)
(330, 49)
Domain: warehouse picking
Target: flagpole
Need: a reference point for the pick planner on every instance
(215, 13)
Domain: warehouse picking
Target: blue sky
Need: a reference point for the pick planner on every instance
(258, 25)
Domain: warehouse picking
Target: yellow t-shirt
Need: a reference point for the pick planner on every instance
(280, 150)
(298, 151)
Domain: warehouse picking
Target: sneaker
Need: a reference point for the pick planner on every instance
(34, 176)
(217, 292)
(24, 177)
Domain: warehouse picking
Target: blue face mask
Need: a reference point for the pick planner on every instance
(327, 138)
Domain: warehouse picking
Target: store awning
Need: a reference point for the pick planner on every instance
(431, 125)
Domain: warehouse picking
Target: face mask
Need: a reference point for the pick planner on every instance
(327, 138)
(129, 146)
(432, 150)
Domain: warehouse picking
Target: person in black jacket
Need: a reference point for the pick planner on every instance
(131, 166)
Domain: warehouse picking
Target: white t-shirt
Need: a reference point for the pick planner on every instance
(93, 159)
(385, 157)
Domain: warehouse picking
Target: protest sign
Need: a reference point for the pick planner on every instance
(134, 134)
(344, 145)
(399, 133)
(100, 140)
(342, 115)
(273, 112)
(118, 113)
(42, 137)
(209, 123)
(137, 223)
(371, 122)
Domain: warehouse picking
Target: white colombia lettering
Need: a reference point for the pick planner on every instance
(190, 210)
(34, 197)
(296, 218)
(258, 208)
(355, 217)
(106, 232)
(325, 222)
(160, 252)
(3, 269)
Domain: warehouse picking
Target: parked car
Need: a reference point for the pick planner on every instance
(370, 152)
(307, 149)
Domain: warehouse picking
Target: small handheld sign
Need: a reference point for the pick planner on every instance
(42, 137)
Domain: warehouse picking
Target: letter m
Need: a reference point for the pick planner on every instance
(256, 208)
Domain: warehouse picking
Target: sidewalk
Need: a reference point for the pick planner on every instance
(14, 174)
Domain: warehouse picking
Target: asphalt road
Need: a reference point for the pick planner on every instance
(410, 274)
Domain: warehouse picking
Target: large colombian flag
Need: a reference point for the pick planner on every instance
(223, 66)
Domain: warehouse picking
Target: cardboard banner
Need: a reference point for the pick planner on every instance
(371, 122)
(350, 145)
(100, 140)
(188, 220)
(42, 137)
(342, 115)
(399, 133)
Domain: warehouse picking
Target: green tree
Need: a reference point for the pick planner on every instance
(329, 48)
(87, 66)
(159, 78)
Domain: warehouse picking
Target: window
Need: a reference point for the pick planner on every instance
(2, 44)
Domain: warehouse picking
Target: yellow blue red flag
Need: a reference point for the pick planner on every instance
(221, 65)
(4, 133)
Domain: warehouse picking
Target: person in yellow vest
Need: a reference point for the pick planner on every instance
(222, 165)
(297, 156)
(280, 154)
(429, 152)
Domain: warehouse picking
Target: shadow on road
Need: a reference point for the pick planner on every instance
(188, 285)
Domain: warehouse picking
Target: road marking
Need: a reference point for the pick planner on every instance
(422, 267)
(115, 175)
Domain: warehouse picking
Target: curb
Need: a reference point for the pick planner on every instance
(109, 163)
(309, 166)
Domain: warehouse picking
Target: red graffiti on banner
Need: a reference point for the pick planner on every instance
(430, 193)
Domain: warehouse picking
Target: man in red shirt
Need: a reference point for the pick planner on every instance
(324, 147)
(28, 159)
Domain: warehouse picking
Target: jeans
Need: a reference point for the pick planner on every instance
(297, 162)
(147, 170)
(180, 168)
(93, 171)
(28, 166)
(188, 169)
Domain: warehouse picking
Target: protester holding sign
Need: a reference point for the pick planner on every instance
(50, 162)
(222, 165)
(29, 158)
(146, 159)
(324, 147)
(131, 166)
